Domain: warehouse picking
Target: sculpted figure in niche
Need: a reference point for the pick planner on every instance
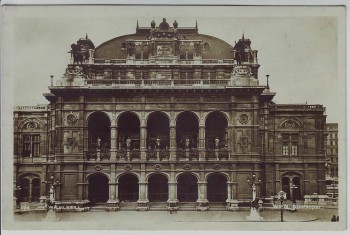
(217, 142)
(187, 142)
(158, 143)
(128, 142)
(98, 142)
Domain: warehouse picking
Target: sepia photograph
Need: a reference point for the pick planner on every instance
(173, 117)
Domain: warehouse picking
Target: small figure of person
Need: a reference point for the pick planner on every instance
(187, 142)
(98, 142)
(338, 218)
(217, 142)
(128, 142)
(334, 219)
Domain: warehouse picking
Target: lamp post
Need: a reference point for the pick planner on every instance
(50, 202)
(254, 214)
(281, 196)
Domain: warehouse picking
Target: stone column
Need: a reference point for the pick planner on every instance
(201, 145)
(143, 141)
(142, 203)
(112, 203)
(172, 149)
(172, 186)
(114, 135)
(30, 190)
(202, 201)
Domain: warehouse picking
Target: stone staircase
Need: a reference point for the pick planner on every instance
(99, 207)
(187, 206)
(128, 206)
(217, 206)
(158, 206)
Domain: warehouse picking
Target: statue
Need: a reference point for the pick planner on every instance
(164, 25)
(158, 142)
(217, 141)
(153, 24)
(77, 53)
(175, 24)
(187, 142)
(98, 142)
(128, 142)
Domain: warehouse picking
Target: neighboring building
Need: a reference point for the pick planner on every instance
(167, 115)
(332, 159)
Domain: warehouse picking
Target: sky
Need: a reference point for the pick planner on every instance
(301, 48)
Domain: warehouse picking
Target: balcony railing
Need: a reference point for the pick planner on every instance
(298, 107)
(157, 82)
(155, 60)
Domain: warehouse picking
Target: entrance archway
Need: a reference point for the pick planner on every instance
(98, 188)
(187, 188)
(128, 188)
(129, 127)
(217, 188)
(99, 127)
(158, 188)
(215, 127)
(187, 126)
(157, 131)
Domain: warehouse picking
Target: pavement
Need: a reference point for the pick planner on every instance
(163, 220)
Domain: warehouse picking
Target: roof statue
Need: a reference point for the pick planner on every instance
(164, 25)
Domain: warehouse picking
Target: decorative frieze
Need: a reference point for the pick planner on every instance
(128, 99)
(99, 99)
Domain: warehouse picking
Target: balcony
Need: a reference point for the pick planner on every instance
(156, 82)
(132, 61)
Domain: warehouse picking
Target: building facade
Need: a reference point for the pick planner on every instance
(332, 158)
(166, 115)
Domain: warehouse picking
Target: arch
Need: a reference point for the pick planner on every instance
(158, 135)
(217, 187)
(159, 173)
(126, 173)
(220, 112)
(216, 124)
(98, 189)
(290, 123)
(29, 174)
(187, 187)
(99, 132)
(128, 187)
(27, 120)
(288, 180)
(88, 116)
(187, 129)
(186, 111)
(158, 190)
(128, 127)
(91, 174)
(221, 173)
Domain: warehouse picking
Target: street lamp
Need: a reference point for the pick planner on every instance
(281, 196)
(254, 214)
(50, 203)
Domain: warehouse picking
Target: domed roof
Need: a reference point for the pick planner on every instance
(215, 48)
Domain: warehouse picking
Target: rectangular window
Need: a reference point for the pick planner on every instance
(294, 148)
(31, 146)
(285, 149)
